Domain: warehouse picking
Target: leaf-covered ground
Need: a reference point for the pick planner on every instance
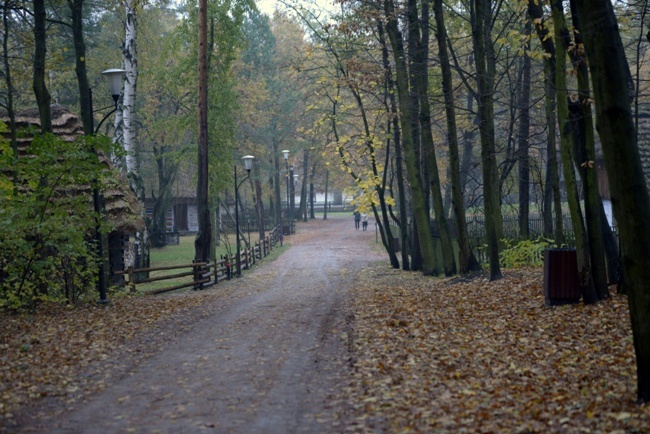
(61, 354)
(468, 355)
(427, 355)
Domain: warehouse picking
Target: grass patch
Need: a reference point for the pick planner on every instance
(183, 254)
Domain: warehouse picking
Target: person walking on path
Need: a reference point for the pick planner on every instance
(364, 220)
(357, 219)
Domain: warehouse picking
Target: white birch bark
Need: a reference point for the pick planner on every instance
(125, 124)
(130, 59)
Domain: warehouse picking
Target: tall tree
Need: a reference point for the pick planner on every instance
(523, 136)
(204, 236)
(467, 260)
(394, 126)
(9, 102)
(81, 69)
(561, 38)
(125, 131)
(408, 139)
(552, 195)
(584, 143)
(630, 198)
(43, 99)
(485, 77)
(419, 74)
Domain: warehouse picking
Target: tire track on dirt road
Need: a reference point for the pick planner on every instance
(269, 359)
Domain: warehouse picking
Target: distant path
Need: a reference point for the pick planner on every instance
(264, 361)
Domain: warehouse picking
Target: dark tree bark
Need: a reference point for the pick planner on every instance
(420, 83)
(561, 37)
(202, 241)
(259, 201)
(420, 213)
(630, 198)
(277, 183)
(11, 114)
(303, 187)
(43, 99)
(393, 125)
(327, 185)
(76, 10)
(485, 79)
(552, 196)
(467, 260)
(585, 163)
(166, 176)
(523, 140)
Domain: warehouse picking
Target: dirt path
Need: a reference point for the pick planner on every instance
(266, 360)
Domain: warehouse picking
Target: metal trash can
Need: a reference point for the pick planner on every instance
(561, 284)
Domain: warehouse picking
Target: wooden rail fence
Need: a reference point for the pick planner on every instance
(204, 273)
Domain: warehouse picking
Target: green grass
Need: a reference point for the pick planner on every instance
(183, 254)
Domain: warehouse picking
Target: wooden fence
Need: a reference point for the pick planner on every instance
(204, 274)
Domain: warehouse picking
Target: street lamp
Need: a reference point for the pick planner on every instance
(292, 196)
(248, 163)
(115, 82)
(114, 77)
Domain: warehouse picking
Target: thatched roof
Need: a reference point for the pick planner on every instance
(122, 208)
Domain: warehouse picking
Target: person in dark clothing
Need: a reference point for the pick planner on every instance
(357, 219)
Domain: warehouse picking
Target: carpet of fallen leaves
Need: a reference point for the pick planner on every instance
(63, 353)
(427, 355)
(469, 355)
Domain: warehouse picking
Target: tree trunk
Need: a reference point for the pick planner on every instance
(312, 193)
(585, 163)
(485, 79)
(523, 140)
(259, 201)
(327, 185)
(420, 213)
(552, 189)
(582, 243)
(303, 186)
(127, 125)
(76, 10)
(467, 260)
(166, 177)
(393, 126)
(130, 61)
(630, 198)
(202, 241)
(43, 99)
(10, 93)
(420, 83)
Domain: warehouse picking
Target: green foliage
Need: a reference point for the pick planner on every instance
(524, 253)
(47, 221)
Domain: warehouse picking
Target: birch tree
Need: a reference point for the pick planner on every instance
(125, 133)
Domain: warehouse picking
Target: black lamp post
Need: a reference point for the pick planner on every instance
(114, 77)
(292, 194)
(248, 162)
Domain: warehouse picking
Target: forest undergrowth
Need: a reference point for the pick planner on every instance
(426, 355)
(469, 355)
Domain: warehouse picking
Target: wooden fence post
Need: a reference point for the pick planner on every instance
(131, 279)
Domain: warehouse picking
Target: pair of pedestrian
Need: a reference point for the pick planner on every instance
(360, 219)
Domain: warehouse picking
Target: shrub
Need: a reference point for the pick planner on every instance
(524, 253)
(47, 222)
